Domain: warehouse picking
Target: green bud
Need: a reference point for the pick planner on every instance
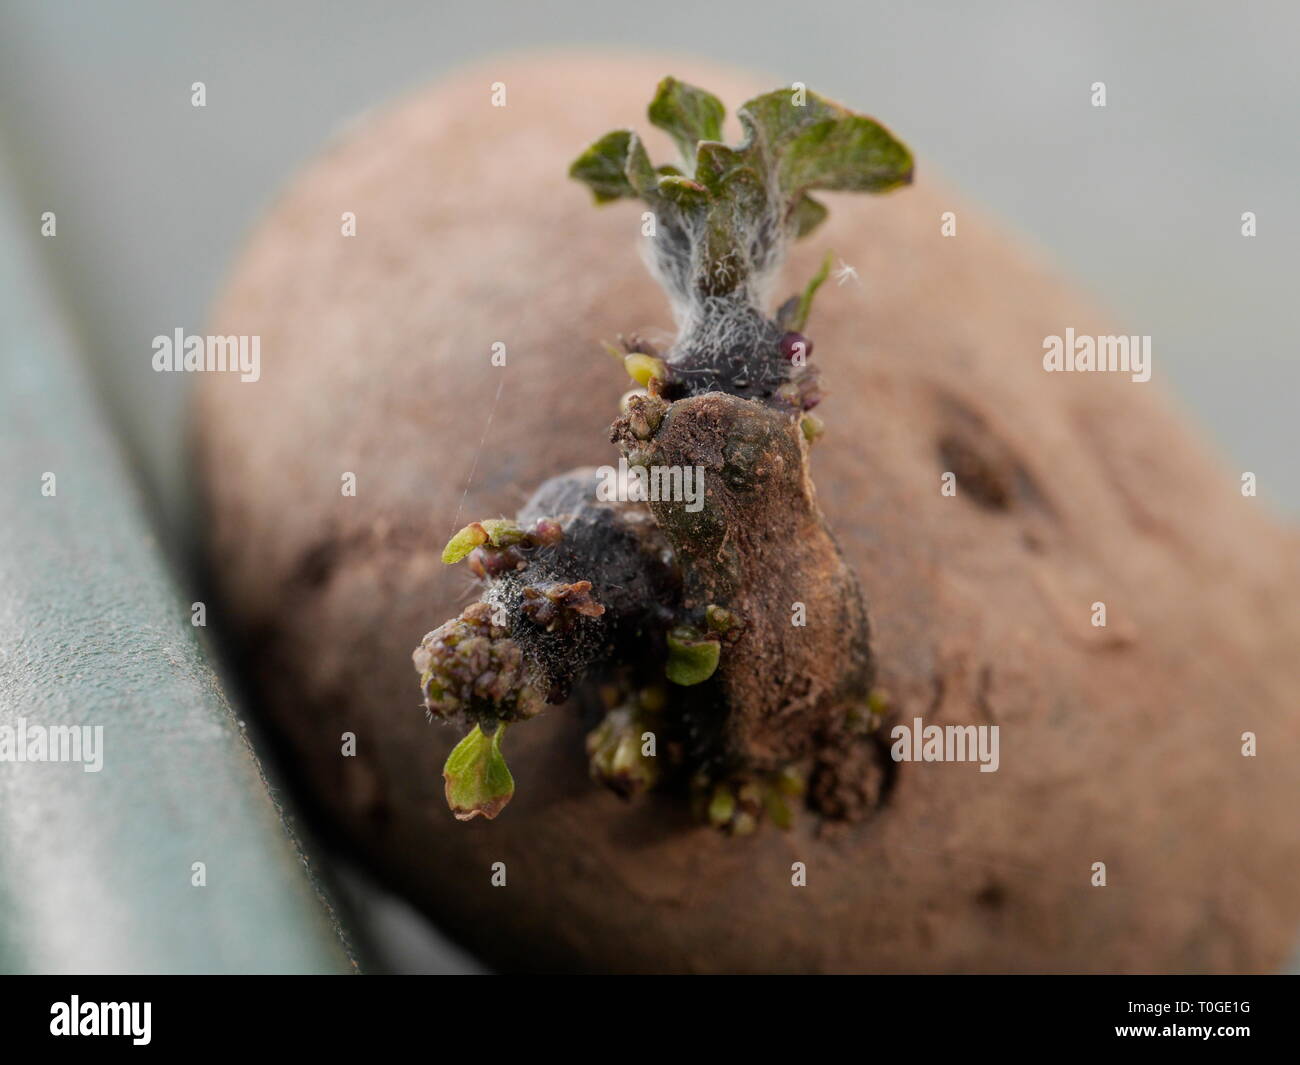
(502, 532)
(464, 542)
(641, 367)
(719, 619)
(777, 809)
(721, 806)
(614, 752)
(791, 782)
(624, 403)
(644, 414)
(477, 777)
(653, 698)
(692, 658)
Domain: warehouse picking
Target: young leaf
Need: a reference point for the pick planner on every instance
(774, 118)
(477, 778)
(808, 215)
(502, 532)
(716, 162)
(819, 144)
(724, 223)
(640, 174)
(852, 154)
(805, 301)
(687, 195)
(464, 542)
(689, 115)
(602, 167)
(691, 659)
(641, 368)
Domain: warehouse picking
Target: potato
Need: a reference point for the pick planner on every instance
(1119, 745)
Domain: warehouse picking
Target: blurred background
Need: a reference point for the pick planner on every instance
(1141, 200)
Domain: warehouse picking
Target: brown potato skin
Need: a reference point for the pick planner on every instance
(1119, 745)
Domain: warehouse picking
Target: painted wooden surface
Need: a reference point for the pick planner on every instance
(97, 867)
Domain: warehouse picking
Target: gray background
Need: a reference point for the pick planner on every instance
(1141, 201)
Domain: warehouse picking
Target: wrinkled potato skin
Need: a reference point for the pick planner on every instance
(1118, 745)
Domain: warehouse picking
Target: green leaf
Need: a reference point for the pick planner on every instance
(691, 659)
(689, 115)
(638, 170)
(733, 208)
(810, 290)
(715, 161)
(733, 183)
(851, 154)
(776, 117)
(819, 144)
(602, 167)
(687, 195)
(464, 542)
(808, 215)
(502, 532)
(478, 780)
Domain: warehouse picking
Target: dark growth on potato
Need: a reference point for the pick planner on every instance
(721, 639)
